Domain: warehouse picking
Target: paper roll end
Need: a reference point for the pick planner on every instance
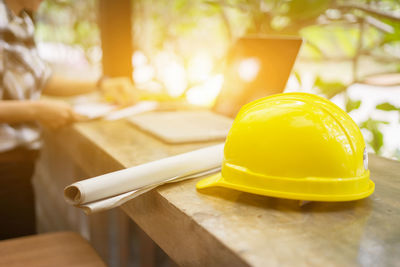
(73, 195)
(86, 210)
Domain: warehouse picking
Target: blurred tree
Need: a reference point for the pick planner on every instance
(334, 30)
(70, 22)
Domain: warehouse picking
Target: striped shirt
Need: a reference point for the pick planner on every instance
(22, 75)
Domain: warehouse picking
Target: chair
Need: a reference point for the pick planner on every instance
(51, 249)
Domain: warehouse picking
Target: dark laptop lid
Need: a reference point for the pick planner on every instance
(256, 67)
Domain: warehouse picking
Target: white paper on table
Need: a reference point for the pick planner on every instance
(143, 176)
(116, 201)
(96, 110)
(138, 108)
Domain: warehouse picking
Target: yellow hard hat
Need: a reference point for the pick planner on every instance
(295, 146)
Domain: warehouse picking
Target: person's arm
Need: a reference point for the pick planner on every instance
(58, 85)
(16, 111)
(118, 90)
(51, 114)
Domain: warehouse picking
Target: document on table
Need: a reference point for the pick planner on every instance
(106, 111)
(113, 189)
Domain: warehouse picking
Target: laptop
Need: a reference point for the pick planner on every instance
(256, 67)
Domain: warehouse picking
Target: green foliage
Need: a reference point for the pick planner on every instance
(372, 126)
(179, 5)
(180, 27)
(70, 22)
(392, 36)
(333, 40)
(387, 107)
(333, 32)
(329, 89)
(298, 77)
(307, 9)
(352, 104)
(86, 34)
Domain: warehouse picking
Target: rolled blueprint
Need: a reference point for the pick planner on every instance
(145, 175)
(116, 201)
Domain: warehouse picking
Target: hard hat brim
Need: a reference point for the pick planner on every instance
(217, 180)
(209, 181)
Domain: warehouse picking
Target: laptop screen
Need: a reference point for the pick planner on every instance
(256, 67)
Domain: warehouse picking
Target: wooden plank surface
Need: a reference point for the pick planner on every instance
(231, 228)
(55, 249)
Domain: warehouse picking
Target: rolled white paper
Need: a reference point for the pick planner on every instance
(156, 172)
(116, 201)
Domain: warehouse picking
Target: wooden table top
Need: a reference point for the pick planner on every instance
(222, 227)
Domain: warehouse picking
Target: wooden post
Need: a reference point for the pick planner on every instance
(116, 37)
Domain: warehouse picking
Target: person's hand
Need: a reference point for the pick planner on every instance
(119, 91)
(55, 114)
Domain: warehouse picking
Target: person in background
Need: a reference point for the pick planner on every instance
(23, 78)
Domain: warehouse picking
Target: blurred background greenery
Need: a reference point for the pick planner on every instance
(351, 52)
